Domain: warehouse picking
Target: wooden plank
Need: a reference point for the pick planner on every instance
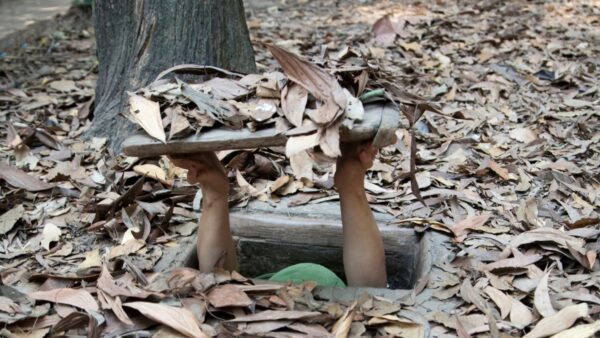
(387, 127)
(142, 145)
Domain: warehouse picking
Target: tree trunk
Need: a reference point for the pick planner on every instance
(137, 39)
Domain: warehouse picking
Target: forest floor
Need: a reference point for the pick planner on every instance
(16, 15)
(509, 172)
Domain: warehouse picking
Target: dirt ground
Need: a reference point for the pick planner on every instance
(16, 15)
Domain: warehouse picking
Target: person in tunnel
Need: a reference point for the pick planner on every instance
(363, 252)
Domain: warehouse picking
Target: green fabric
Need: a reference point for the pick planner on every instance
(304, 272)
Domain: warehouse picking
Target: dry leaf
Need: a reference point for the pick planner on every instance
(116, 288)
(275, 315)
(65, 250)
(92, 260)
(329, 141)
(384, 31)
(361, 80)
(10, 218)
(460, 329)
(265, 326)
(354, 107)
(376, 52)
(319, 83)
(63, 85)
(474, 222)
(297, 144)
(471, 295)
(226, 89)
(580, 331)
(249, 188)
(19, 179)
(545, 235)
(503, 301)
(218, 110)
(398, 327)
(179, 124)
(228, 295)
(325, 113)
(279, 183)
(153, 171)
(302, 165)
(9, 306)
(542, 298)
(47, 139)
(341, 328)
(501, 171)
(13, 140)
(128, 235)
(312, 330)
(37, 333)
(405, 330)
(293, 103)
(530, 210)
(512, 263)
(260, 110)
(167, 332)
(127, 248)
(178, 319)
(574, 103)
(184, 229)
(51, 233)
(495, 167)
(558, 322)
(114, 304)
(414, 46)
(520, 315)
(524, 135)
(76, 297)
(146, 113)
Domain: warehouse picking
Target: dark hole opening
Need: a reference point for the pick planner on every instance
(259, 256)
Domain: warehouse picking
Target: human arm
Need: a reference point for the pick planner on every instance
(215, 245)
(364, 256)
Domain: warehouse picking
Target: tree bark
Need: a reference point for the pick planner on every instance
(137, 39)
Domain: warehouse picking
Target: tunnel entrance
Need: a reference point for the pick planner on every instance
(269, 239)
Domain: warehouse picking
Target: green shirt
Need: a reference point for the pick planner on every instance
(304, 272)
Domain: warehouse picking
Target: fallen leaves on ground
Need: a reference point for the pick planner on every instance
(507, 169)
(179, 319)
(76, 297)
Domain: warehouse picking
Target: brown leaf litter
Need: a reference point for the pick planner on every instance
(508, 170)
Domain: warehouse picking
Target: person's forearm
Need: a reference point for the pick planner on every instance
(215, 243)
(363, 246)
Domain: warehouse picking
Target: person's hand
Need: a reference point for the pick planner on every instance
(352, 166)
(205, 169)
